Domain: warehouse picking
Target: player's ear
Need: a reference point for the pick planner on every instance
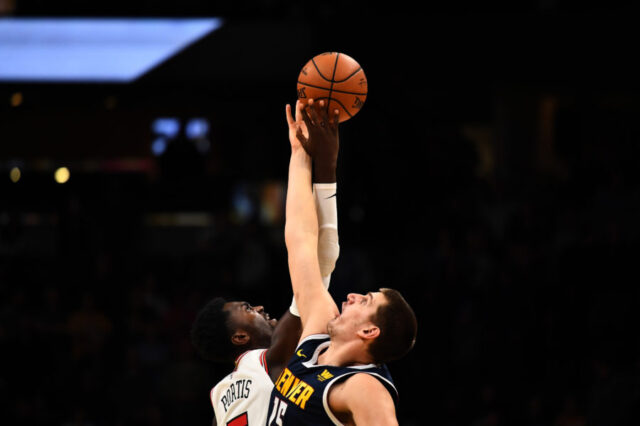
(369, 331)
(240, 338)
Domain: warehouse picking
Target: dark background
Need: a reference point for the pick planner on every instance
(490, 176)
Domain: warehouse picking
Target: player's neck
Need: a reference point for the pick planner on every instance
(345, 354)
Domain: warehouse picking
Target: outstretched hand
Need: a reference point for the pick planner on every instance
(297, 127)
(322, 143)
(315, 130)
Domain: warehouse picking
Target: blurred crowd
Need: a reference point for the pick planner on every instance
(524, 285)
(103, 338)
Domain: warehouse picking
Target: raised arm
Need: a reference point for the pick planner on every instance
(323, 148)
(301, 229)
(283, 343)
(287, 333)
(322, 145)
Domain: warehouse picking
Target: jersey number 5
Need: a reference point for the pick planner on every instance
(241, 420)
(279, 408)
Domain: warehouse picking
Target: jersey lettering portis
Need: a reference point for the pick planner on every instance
(240, 389)
(242, 397)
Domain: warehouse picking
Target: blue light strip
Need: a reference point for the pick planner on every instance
(92, 50)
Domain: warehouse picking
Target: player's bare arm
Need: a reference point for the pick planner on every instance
(283, 343)
(324, 157)
(301, 231)
(362, 400)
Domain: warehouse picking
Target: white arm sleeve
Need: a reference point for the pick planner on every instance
(328, 247)
(327, 208)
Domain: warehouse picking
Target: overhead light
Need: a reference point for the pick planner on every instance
(159, 146)
(15, 175)
(166, 126)
(93, 49)
(197, 128)
(62, 175)
(16, 99)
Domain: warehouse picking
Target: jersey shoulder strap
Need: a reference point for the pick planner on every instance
(250, 356)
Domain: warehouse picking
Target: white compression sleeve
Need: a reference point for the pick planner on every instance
(327, 208)
(328, 247)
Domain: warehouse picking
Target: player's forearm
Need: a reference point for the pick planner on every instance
(283, 342)
(315, 304)
(301, 225)
(325, 195)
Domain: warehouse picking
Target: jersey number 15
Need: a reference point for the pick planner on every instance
(279, 408)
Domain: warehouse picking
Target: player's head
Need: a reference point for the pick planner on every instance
(383, 321)
(222, 330)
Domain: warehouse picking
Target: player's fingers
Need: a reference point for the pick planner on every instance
(306, 118)
(335, 118)
(313, 113)
(300, 136)
(290, 120)
(307, 108)
(304, 141)
(299, 107)
(324, 113)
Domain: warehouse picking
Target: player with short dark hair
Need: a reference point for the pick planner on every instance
(235, 331)
(397, 324)
(223, 330)
(209, 333)
(336, 375)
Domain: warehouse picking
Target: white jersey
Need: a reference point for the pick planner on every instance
(242, 397)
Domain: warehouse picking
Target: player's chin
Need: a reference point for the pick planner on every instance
(273, 322)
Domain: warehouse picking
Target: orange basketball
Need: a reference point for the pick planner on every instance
(335, 77)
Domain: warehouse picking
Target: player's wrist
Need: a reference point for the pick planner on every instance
(299, 158)
(297, 149)
(324, 174)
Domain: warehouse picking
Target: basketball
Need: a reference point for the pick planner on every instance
(335, 77)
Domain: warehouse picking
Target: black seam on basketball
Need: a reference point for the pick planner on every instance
(317, 69)
(335, 68)
(350, 93)
(350, 75)
(334, 90)
(313, 85)
(342, 105)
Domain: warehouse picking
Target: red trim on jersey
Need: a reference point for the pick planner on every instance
(241, 420)
(263, 361)
(238, 360)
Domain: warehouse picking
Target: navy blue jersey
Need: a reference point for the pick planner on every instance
(300, 394)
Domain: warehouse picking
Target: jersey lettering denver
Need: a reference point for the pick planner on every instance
(300, 394)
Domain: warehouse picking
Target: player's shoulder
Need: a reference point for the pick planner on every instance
(362, 380)
(254, 358)
(251, 354)
(310, 346)
(361, 393)
(375, 377)
(312, 340)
